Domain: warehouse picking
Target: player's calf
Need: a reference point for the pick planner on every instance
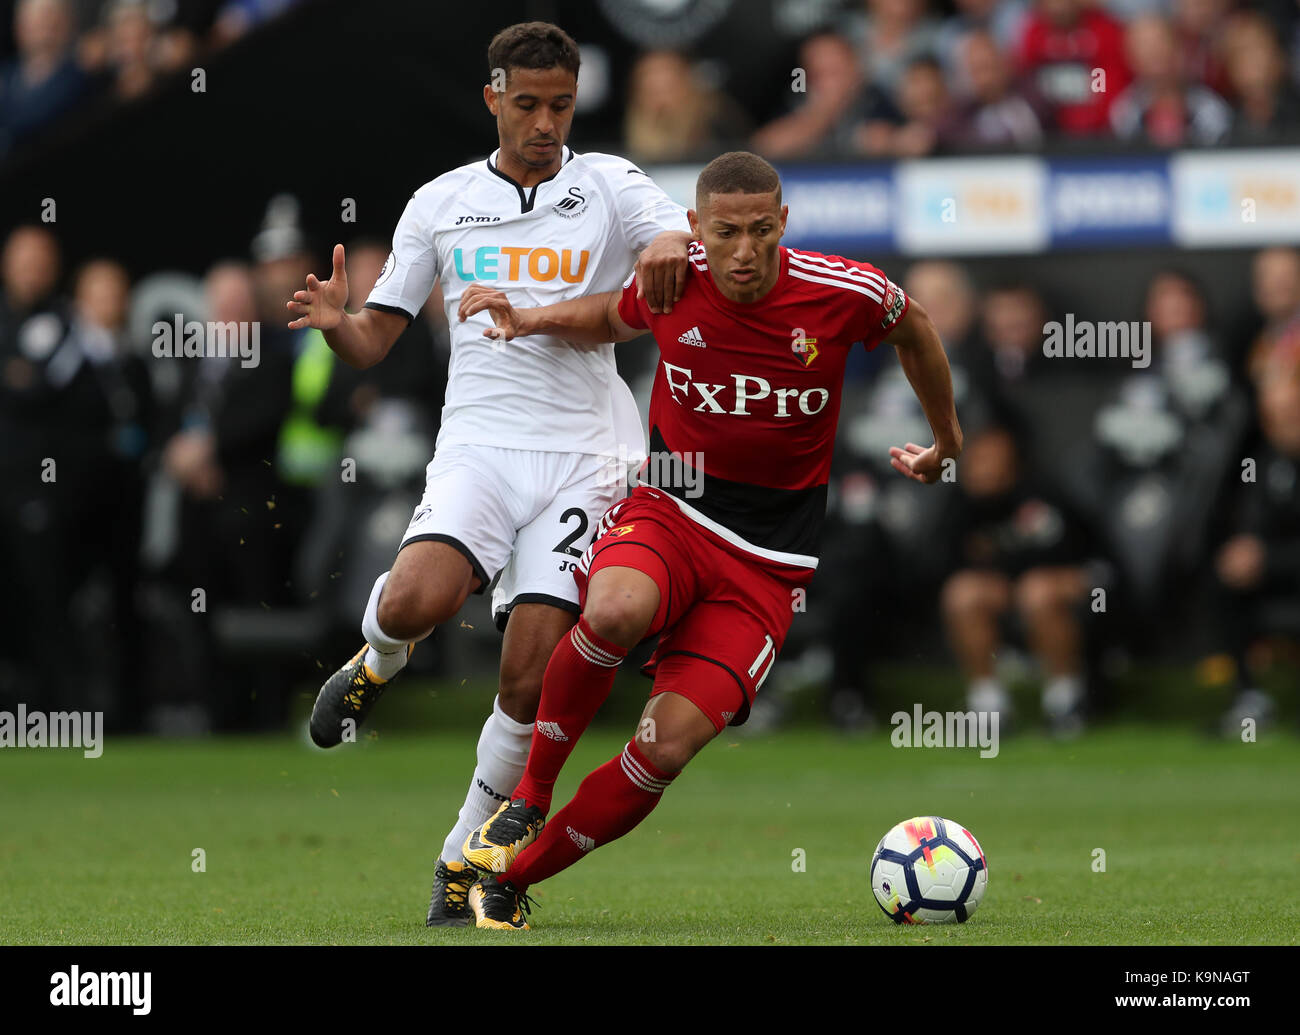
(672, 731)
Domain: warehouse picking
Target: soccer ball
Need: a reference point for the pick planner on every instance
(929, 870)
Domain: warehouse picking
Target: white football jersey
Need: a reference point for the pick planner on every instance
(577, 233)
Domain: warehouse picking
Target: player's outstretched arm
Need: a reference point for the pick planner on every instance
(361, 339)
(926, 365)
(590, 320)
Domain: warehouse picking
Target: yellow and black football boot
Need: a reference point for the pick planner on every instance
(498, 904)
(449, 904)
(349, 694)
(494, 846)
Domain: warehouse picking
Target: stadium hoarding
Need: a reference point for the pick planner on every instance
(1236, 198)
(1025, 205)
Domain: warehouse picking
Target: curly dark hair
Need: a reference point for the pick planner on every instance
(532, 45)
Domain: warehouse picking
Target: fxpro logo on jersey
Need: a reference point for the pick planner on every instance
(745, 389)
(511, 263)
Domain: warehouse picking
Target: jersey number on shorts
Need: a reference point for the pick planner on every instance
(766, 656)
(565, 545)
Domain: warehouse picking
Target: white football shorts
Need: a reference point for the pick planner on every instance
(521, 514)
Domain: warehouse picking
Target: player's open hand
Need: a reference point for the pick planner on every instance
(479, 298)
(321, 305)
(661, 271)
(917, 463)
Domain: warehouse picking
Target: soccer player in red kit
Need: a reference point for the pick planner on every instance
(712, 546)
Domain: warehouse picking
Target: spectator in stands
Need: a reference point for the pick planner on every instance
(1073, 53)
(1161, 107)
(44, 80)
(1265, 103)
(1200, 25)
(1257, 569)
(1186, 357)
(881, 532)
(32, 322)
(888, 36)
(131, 50)
(671, 115)
(1275, 284)
(1015, 547)
(925, 105)
(995, 115)
(1003, 20)
(836, 103)
(1013, 319)
(1275, 288)
(101, 428)
(240, 522)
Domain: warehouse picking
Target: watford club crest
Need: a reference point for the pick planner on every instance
(805, 350)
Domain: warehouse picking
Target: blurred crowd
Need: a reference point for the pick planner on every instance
(1101, 511)
(192, 536)
(62, 56)
(905, 78)
(182, 527)
(878, 78)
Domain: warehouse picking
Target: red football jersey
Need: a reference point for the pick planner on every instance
(747, 395)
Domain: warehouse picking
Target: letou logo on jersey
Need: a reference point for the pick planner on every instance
(517, 263)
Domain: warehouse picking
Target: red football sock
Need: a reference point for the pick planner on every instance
(578, 678)
(610, 801)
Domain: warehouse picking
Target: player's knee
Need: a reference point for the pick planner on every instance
(1036, 593)
(408, 610)
(619, 616)
(519, 690)
(669, 753)
(960, 594)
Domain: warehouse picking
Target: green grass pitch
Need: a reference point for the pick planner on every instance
(304, 846)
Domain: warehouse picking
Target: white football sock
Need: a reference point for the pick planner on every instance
(386, 656)
(1062, 695)
(986, 694)
(502, 753)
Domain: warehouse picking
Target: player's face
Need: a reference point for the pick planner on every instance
(741, 234)
(533, 115)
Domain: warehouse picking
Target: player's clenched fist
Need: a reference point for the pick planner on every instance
(321, 305)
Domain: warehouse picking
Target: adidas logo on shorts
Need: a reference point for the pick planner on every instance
(693, 337)
(552, 730)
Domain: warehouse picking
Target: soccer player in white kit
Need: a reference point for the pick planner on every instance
(536, 438)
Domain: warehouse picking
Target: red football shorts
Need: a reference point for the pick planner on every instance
(723, 613)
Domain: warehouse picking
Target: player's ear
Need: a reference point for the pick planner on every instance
(693, 218)
(785, 212)
(490, 98)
